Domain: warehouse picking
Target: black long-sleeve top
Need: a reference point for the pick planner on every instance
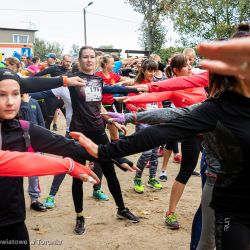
(56, 70)
(229, 117)
(12, 206)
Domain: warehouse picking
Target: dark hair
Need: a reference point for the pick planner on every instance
(178, 61)
(242, 30)
(35, 59)
(75, 67)
(105, 60)
(219, 83)
(84, 48)
(147, 64)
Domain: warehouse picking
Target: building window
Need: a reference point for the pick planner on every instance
(20, 38)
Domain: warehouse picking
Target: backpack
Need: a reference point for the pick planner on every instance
(25, 125)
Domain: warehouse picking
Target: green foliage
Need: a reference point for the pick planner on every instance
(152, 31)
(42, 48)
(211, 19)
(158, 37)
(168, 52)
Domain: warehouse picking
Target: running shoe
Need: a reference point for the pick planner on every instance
(38, 206)
(171, 221)
(99, 195)
(155, 184)
(79, 228)
(196, 174)
(177, 158)
(126, 214)
(49, 202)
(138, 187)
(163, 178)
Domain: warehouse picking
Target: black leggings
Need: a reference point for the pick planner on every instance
(231, 235)
(172, 146)
(190, 149)
(15, 237)
(107, 167)
(52, 103)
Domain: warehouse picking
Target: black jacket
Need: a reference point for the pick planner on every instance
(12, 206)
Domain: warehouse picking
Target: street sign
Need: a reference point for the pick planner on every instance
(26, 52)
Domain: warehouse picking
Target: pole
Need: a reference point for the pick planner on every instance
(85, 32)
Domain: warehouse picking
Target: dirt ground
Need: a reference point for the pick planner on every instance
(54, 229)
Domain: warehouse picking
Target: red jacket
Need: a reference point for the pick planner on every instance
(180, 83)
(27, 164)
(192, 91)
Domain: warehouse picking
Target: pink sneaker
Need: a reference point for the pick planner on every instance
(177, 158)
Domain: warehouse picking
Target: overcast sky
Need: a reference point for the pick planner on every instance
(109, 22)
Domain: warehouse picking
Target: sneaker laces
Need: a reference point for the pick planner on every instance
(172, 217)
(138, 182)
(154, 181)
(49, 199)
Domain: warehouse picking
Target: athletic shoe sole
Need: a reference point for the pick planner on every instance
(163, 180)
(150, 186)
(99, 199)
(139, 192)
(120, 217)
(80, 234)
(173, 227)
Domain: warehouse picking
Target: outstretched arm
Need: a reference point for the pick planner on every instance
(158, 116)
(40, 165)
(202, 119)
(176, 83)
(34, 84)
(150, 117)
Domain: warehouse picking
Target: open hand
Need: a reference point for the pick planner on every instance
(85, 142)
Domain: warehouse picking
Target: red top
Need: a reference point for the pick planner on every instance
(38, 165)
(181, 82)
(107, 99)
(148, 105)
(191, 92)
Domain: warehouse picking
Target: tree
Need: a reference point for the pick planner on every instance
(42, 48)
(152, 31)
(74, 50)
(165, 53)
(210, 19)
(158, 36)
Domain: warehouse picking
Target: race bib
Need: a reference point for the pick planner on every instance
(93, 91)
(151, 106)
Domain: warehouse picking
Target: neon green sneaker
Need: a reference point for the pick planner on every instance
(153, 183)
(138, 187)
(49, 202)
(171, 221)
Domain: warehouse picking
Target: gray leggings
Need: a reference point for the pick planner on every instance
(149, 155)
(207, 239)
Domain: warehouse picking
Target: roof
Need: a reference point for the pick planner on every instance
(18, 29)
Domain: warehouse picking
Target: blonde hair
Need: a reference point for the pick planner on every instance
(13, 61)
(188, 51)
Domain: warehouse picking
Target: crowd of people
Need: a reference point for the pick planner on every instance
(203, 109)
